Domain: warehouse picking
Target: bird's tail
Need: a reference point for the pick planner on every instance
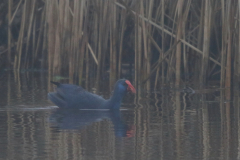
(56, 83)
(56, 99)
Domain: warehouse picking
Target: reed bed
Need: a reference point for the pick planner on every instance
(161, 41)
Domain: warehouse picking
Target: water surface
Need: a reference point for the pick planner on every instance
(165, 124)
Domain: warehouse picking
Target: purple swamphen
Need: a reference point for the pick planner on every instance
(75, 97)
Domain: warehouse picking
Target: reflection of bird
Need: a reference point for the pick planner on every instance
(75, 97)
(78, 119)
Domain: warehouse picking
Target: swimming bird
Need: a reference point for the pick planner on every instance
(75, 97)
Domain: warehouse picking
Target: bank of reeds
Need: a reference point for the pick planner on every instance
(161, 41)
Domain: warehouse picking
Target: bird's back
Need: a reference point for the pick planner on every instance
(75, 97)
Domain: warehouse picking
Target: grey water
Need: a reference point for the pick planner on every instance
(162, 124)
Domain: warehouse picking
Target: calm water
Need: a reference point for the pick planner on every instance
(168, 125)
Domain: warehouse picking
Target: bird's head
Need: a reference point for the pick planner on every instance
(124, 85)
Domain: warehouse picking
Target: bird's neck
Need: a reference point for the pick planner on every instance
(115, 101)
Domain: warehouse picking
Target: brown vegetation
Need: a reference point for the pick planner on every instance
(81, 37)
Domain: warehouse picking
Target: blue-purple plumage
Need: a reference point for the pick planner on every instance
(75, 97)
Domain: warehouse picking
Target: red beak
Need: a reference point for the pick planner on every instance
(130, 87)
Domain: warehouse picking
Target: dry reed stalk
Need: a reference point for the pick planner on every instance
(238, 60)
(228, 66)
(163, 44)
(61, 48)
(158, 14)
(200, 30)
(213, 68)
(9, 30)
(149, 51)
(166, 54)
(84, 38)
(40, 38)
(199, 51)
(206, 41)
(45, 40)
(51, 14)
(105, 41)
(230, 9)
(111, 59)
(29, 30)
(159, 59)
(16, 10)
(135, 58)
(9, 96)
(95, 30)
(64, 22)
(137, 61)
(74, 39)
(34, 40)
(71, 50)
(113, 50)
(17, 60)
(224, 47)
(93, 54)
(173, 25)
(87, 68)
(100, 36)
(69, 36)
(185, 48)
(107, 29)
(168, 32)
(123, 17)
(145, 49)
(57, 51)
(178, 37)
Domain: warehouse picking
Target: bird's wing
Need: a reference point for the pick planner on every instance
(78, 97)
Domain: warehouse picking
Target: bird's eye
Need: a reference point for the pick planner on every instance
(125, 84)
